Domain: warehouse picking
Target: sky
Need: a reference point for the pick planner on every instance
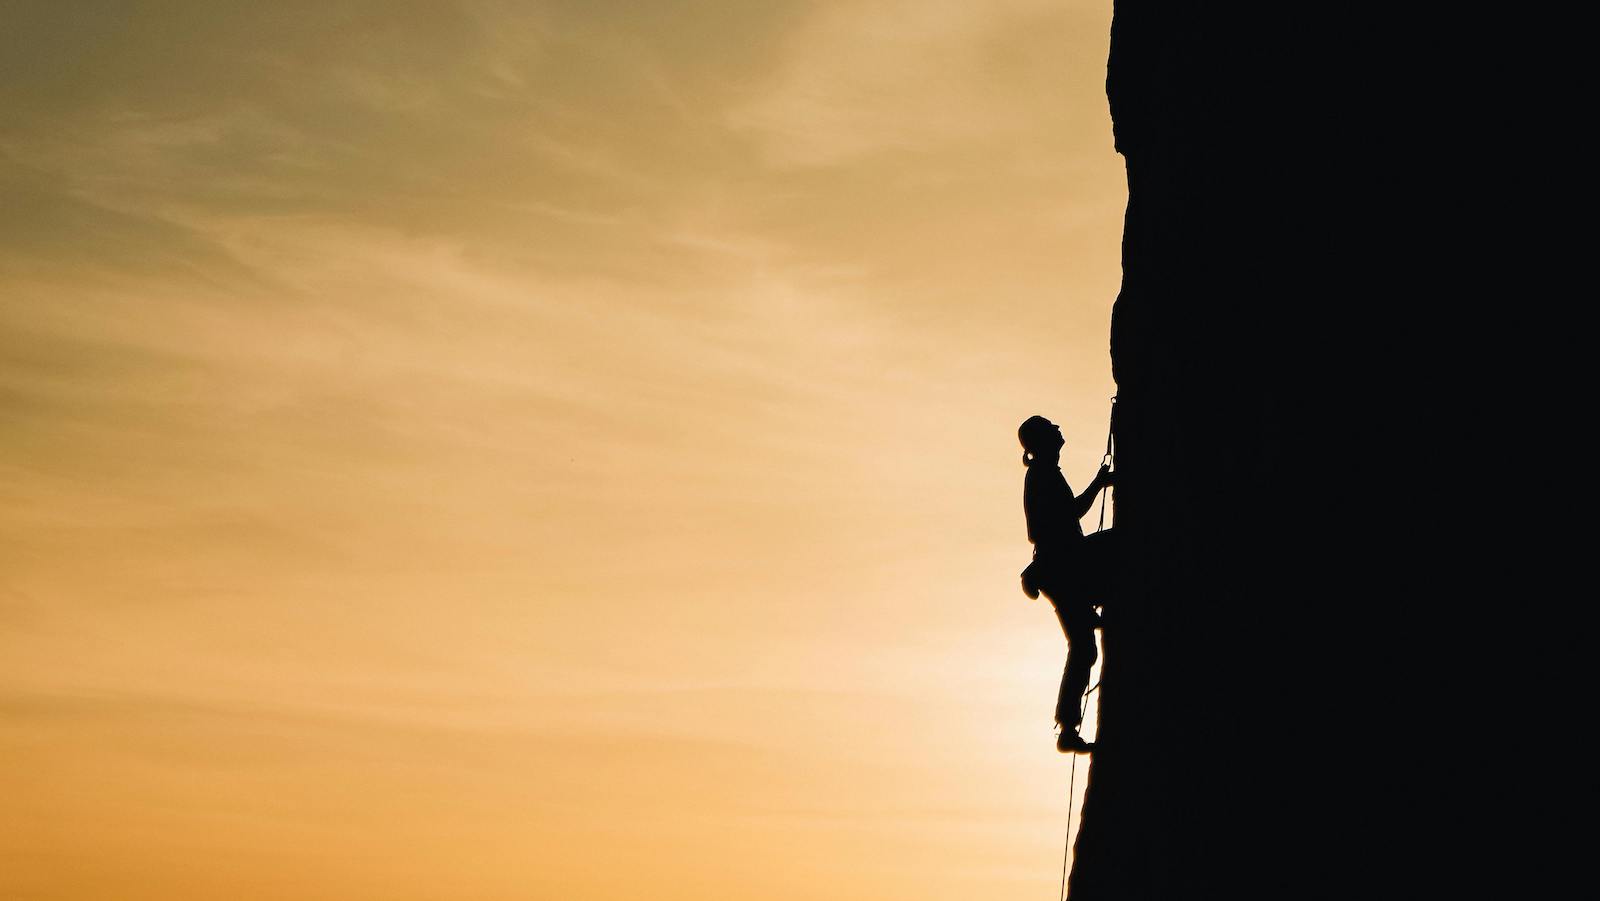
(475, 450)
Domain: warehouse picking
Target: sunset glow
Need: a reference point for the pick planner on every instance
(540, 450)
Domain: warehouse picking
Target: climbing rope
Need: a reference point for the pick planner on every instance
(1072, 784)
(1108, 460)
(1083, 707)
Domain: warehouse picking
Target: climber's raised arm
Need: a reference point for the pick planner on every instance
(1084, 502)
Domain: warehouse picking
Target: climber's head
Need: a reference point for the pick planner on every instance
(1040, 438)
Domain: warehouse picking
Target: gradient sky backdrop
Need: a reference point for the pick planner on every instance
(558, 450)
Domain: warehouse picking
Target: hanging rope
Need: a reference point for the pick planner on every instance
(1072, 785)
(1072, 781)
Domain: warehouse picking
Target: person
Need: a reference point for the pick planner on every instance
(1059, 564)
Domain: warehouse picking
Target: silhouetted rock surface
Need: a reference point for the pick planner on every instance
(1241, 650)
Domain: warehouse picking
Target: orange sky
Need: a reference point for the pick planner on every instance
(540, 450)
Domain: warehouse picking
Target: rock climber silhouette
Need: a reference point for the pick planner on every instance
(1060, 565)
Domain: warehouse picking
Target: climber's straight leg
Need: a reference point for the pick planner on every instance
(1077, 621)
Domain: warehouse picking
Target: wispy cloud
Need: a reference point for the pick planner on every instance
(895, 76)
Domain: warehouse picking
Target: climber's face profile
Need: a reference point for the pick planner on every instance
(1040, 437)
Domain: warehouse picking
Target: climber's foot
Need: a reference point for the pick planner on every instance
(1072, 743)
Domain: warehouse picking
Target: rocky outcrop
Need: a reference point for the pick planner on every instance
(1240, 644)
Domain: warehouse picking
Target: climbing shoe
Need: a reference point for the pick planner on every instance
(1072, 743)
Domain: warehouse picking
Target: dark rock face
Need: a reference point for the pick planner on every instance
(1236, 689)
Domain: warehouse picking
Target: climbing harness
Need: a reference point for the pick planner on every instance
(1083, 706)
